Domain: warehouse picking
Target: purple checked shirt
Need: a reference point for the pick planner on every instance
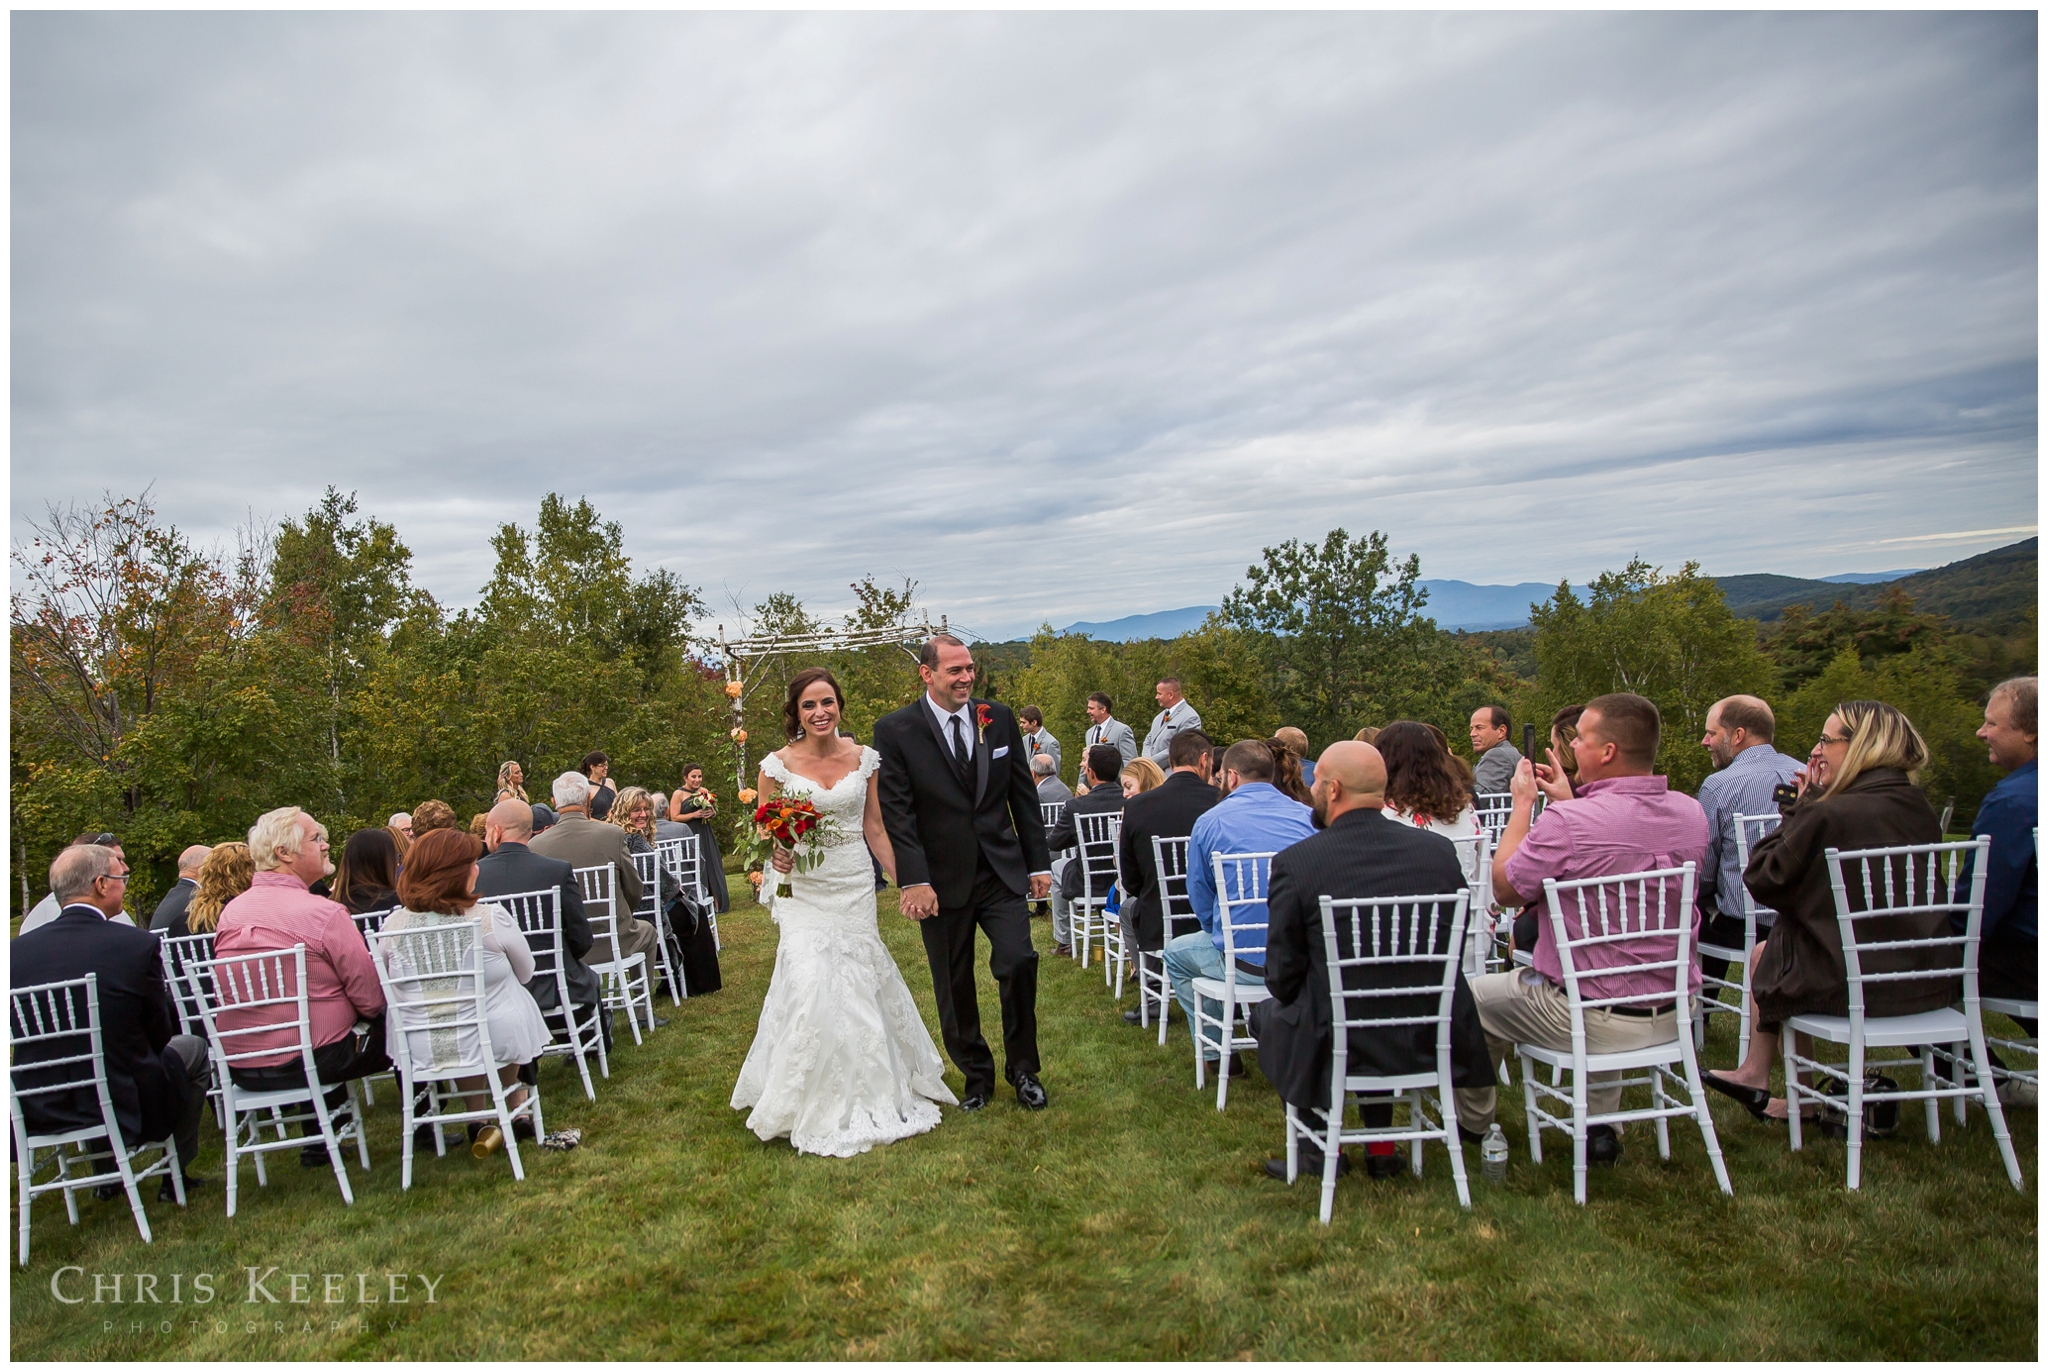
(1612, 827)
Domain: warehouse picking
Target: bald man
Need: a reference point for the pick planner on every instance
(1356, 852)
(510, 868)
(1740, 730)
(171, 909)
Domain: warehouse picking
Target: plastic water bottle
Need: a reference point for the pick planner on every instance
(1493, 1155)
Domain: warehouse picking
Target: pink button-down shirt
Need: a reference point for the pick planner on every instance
(1612, 827)
(276, 912)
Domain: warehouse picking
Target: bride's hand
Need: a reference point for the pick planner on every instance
(784, 860)
(919, 902)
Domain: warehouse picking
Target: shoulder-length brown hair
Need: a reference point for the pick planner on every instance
(792, 726)
(1287, 771)
(436, 875)
(1422, 776)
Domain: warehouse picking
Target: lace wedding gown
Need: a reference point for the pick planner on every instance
(842, 1060)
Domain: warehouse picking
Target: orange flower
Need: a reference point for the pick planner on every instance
(747, 796)
(733, 689)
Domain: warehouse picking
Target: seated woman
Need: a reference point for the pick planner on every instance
(1564, 727)
(1425, 788)
(692, 806)
(692, 945)
(1287, 779)
(227, 872)
(1857, 791)
(1140, 774)
(366, 879)
(439, 887)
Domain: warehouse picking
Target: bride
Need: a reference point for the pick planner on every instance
(842, 1060)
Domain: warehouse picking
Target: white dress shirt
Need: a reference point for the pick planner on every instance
(965, 714)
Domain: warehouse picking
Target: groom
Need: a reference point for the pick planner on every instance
(962, 813)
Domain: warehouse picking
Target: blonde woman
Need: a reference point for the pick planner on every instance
(511, 783)
(227, 872)
(1858, 791)
(1141, 774)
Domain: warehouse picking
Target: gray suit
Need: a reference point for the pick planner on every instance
(1115, 733)
(1165, 725)
(1495, 769)
(582, 842)
(1043, 742)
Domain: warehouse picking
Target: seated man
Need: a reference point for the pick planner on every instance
(49, 907)
(1359, 852)
(171, 909)
(346, 1004)
(1052, 791)
(156, 1077)
(580, 841)
(1623, 820)
(1740, 732)
(511, 867)
(1168, 810)
(2010, 815)
(1252, 817)
(1104, 796)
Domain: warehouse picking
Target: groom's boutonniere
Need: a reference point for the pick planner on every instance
(983, 717)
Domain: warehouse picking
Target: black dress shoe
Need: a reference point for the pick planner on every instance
(1380, 1166)
(974, 1100)
(1236, 1066)
(313, 1158)
(1309, 1165)
(1030, 1094)
(1603, 1145)
(110, 1191)
(164, 1191)
(1752, 1098)
(1134, 1017)
(1468, 1136)
(660, 1022)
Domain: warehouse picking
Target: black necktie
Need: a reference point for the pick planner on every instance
(960, 754)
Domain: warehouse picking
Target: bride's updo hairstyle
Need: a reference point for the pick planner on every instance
(792, 724)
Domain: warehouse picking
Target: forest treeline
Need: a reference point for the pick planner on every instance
(170, 693)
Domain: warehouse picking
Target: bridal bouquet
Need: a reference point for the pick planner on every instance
(784, 823)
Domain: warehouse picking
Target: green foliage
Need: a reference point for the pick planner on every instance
(1670, 638)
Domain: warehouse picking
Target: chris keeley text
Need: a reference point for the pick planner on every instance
(250, 1286)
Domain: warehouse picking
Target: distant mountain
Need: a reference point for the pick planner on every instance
(1159, 624)
(1871, 578)
(1462, 605)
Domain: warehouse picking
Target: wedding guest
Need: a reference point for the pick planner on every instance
(476, 826)
(1175, 716)
(49, 907)
(1370, 733)
(1168, 810)
(439, 887)
(1105, 727)
(583, 842)
(430, 815)
(1297, 744)
(171, 909)
(400, 825)
(366, 878)
(1564, 727)
(1141, 774)
(227, 872)
(1104, 795)
(2009, 816)
(1424, 788)
(1858, 792)
(543, 818)
(1739, 734)
(695, 949)
(511, 782)
(512, 867)
(1494, 759)
(401, 838)
(1037, 738)
(1287, 772)
(277, 912)
(1053, 791)
(1253, 817)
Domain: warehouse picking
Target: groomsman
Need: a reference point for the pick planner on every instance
(1105, 728)
(1037, 738)
(1175, 716)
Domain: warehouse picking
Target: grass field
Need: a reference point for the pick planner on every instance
(1130, 1220)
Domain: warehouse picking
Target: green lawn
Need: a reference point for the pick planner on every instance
(1128, 1221)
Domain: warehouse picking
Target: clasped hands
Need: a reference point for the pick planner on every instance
(921, 902)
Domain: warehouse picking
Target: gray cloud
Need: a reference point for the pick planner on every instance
(896, 294)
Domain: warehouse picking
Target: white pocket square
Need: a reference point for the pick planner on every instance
(1003, 751)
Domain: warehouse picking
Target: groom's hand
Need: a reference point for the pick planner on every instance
(1041, 885)
(919, 902)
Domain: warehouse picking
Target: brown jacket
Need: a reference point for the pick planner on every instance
(1802, 971)
(584, 842)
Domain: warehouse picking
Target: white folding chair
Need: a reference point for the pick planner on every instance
(252, 992)
(1625, 918)
(1155, 983)
(1475, 858)
(647, 866)
(56, 1059)
(175, 953)
(2027, 1047)
(1887, 883)
(1240, 883)
(1492, 811)
(1749, 829)
(370, 921)
(1397, 968)
(1096, 837)
(535, 914)
(685, 858)
(1049, 812)
(626, 983)
(433, 980)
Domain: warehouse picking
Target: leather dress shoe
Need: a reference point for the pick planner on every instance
(1469, 1136)
(1063, 950)
(1236, 1066)
(1380, 1166)
(974, 1100)
(1030, 1094)
(660, 1022)
(1133, 1017)
(1603, 1146)
(1308, 1165)
(164, 1191)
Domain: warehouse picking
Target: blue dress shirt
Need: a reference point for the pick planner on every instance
(1255, 818)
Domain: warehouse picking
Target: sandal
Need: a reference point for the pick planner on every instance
(1752, 1098)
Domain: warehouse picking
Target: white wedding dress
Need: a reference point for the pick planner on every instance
(842, 1060)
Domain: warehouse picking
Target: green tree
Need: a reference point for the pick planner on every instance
(1670, 638)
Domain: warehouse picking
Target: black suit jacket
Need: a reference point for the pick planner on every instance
(1362, 853)
(515, 868)
(1166, 811)
(136, 1021)
(171, 909)
(937, 826)
(1105, 798)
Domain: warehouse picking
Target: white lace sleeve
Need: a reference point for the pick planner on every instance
(870, 763)
(771, 766)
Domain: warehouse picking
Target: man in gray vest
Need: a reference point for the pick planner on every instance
(1175, 716)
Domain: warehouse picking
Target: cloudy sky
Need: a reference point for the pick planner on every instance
(1065, 316)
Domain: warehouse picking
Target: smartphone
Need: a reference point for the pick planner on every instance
(1529, 743)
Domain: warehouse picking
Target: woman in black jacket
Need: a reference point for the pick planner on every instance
(1857, 791)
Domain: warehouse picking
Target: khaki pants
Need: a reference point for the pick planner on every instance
(1523, 1006)
(639, 937)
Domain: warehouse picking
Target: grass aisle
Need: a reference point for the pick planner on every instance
(1128, 1221)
